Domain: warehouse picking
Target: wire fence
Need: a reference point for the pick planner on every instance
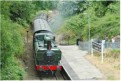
(87, 45)
(84, 45)
(115, 45)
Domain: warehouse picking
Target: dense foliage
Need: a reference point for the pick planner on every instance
(11, 47)
(15, 19)
(104, 20)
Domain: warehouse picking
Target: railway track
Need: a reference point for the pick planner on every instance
(62, 75)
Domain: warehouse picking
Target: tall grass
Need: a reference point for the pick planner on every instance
(12, 46)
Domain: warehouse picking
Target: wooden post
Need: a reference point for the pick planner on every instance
(102, 50)
(91, 47)
(27, 35)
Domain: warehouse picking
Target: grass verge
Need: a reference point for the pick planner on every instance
(111, 66)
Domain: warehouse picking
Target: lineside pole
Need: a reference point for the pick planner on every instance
(102, 50)
(91, 47)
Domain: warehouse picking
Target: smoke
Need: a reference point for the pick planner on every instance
(64, 10)
(55, 20)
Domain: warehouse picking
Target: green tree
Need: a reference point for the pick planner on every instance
(103, 21)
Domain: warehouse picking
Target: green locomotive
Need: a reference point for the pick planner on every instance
(47, 54)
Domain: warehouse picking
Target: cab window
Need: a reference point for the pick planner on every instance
(40, 37)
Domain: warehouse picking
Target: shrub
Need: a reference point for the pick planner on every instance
(11, 47)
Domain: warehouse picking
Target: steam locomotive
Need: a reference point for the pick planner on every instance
(47, 54)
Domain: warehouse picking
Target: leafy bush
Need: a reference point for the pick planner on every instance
(11, 47)
(12, 70)
(107, 23)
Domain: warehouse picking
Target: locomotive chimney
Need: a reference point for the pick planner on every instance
(49, 46)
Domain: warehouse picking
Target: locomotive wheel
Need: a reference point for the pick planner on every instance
(53, 73)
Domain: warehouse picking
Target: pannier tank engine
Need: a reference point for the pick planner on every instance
(47, 54)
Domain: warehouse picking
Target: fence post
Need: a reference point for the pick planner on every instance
(91, 47)
(102, 50)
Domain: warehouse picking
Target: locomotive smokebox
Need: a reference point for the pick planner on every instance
(49, 53)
